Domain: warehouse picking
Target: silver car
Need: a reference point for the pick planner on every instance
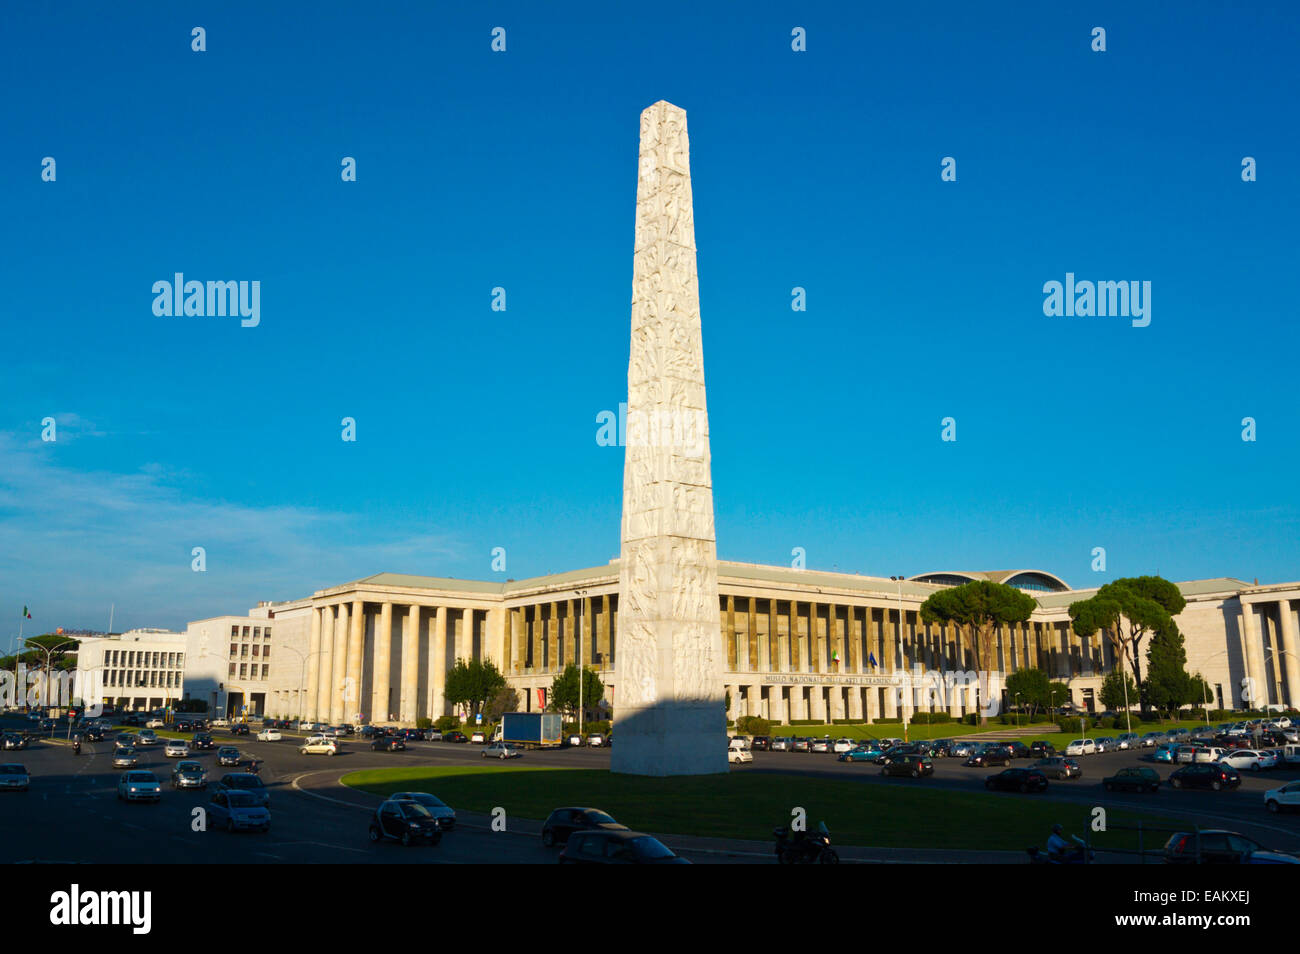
(125, 758)
(14, 777)
(1105, 743)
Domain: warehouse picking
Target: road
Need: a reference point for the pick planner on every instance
(72, 812)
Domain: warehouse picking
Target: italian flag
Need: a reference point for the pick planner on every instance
(26, 615)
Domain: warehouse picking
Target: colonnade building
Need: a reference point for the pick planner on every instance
(798, 644)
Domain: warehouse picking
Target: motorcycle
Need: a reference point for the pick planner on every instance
(1082, 855)
(805, 848)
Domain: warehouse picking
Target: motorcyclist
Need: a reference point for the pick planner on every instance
(1057, 846)
(76, 744)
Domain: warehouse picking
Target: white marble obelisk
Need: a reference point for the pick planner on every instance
(670, 714)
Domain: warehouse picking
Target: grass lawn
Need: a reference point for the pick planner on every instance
(952, 730)
(740, 805)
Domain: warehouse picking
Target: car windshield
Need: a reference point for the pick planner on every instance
(242, 800)
(647, 847)
(244, 781)
(600, 818)
(127, 751)
(414, 810)
(12, 770)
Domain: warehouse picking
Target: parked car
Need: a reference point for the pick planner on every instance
(800, 744)
(455, 737)
(411, 735)
(136, 786)
(762, 743)
(1201, 775)
(246, 782)
(1017, 780)
(1217, 846)
(1041, 749)
(432, 735)
(910, 765)
(439, 809)
(595, 740)
(406, 821)
(14, 777)
(1058, 767)
(478, 737)
(563, 822)
(318, 745)
(176, 749)
(504, 750)
(1016, 749)
(388, 743)
(1208, 753)
(1152, 739)
(228, 755)
(738, 742)
(237, 810)
(1282, 799)
(269, 735)
(155, 723)
(1127, 740)
(738, 756)
(843, 745)
(1252, 759)
(962, 750)
(220, 723)
(1136, 779)
(1165, 752)
(1081, 747)
(239, 728)
(1185, 754)
(189, 774)
(781, 743)
(1104, 743)
(617, 848)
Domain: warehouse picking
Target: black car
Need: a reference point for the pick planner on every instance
(617, 848)
(92, 733)
(761, 743)
(13, 741)
(406, 821)
(455, 737)
(388, 743)
(239, 728)
(201, 740)
(990, 756)
(411, 735)
(1017, 749)
(1205, 775)
(563, 822)
(1041, 749)
(1017, 780)
(1139, 779)
(908, 764)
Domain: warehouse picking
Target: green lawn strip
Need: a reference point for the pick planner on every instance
(903, 814)
(953, 730)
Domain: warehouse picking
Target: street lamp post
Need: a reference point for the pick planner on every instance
(898, 580)
(582, 663)
(49, 652)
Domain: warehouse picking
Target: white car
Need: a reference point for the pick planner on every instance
(155, 724)
(147, 737)
(739, 756)
(139, 787)
(269, 735)
(738, 742)
(1249, 759)
(501, 750)
(1208, 753)
(595, 740)
(319, 745)
(1279, 799)
(1185, 754)
(1081, 747)
(478, 738)
(176, 749)
(575, 739)
(844, 745)
(220, 723)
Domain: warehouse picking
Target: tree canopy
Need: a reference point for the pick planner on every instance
(564, 690)
(472, 683)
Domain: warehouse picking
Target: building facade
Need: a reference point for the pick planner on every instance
(798, 644)
(139, 670)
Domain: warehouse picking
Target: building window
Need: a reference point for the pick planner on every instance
(257, 632)
(243, 670)
(257, 651)
(246, 629)
(232, 669)
(267, 632)
(266, 652)
(266, 671)
(234, 632)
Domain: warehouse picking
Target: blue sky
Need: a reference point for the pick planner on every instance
(476, 429)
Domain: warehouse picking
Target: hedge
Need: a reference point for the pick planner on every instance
(930, 718)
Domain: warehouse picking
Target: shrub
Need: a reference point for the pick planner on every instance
(446, 723)
(931, 718)
(753, 725)
(889, 720)
(424, 723)
(807, 722)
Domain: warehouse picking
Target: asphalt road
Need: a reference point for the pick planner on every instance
(72, 813)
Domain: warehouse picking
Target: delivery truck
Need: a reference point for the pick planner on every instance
(532, 730)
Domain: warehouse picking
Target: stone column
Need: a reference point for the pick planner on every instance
(312, 689)
(872, 712)
(342, 624)
(410, 665)
(381, 680)
(568, 642)
(356, 646)
(837, 703)
(1290, 658)
(855, 703)
(324, 686)
(518, 636)
(438, 662)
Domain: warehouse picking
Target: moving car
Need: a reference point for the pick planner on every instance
(1139, 779)
(201, 742)
(228, 755)
(189, 774)
(318, 745)
(406, 821)
(155, 723)
(139, 787)
(125, 758)
(502, 750)
(1058, 767)
(439, 809)
(14, 742)
(239, 728)
(147, 737)
(176, 749)
(910, 765)
(237, 810)
(862, 753)
(1217, 846)
(617, 848)
(737, 756)
(269, 735)
(1201, 775)
(14, 777)
(1017, 780)
(563, 822)
(246, 782)
(1284, 798)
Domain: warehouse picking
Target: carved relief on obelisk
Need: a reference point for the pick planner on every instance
(670, 712)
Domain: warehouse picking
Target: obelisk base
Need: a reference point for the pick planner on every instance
(671, 739)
